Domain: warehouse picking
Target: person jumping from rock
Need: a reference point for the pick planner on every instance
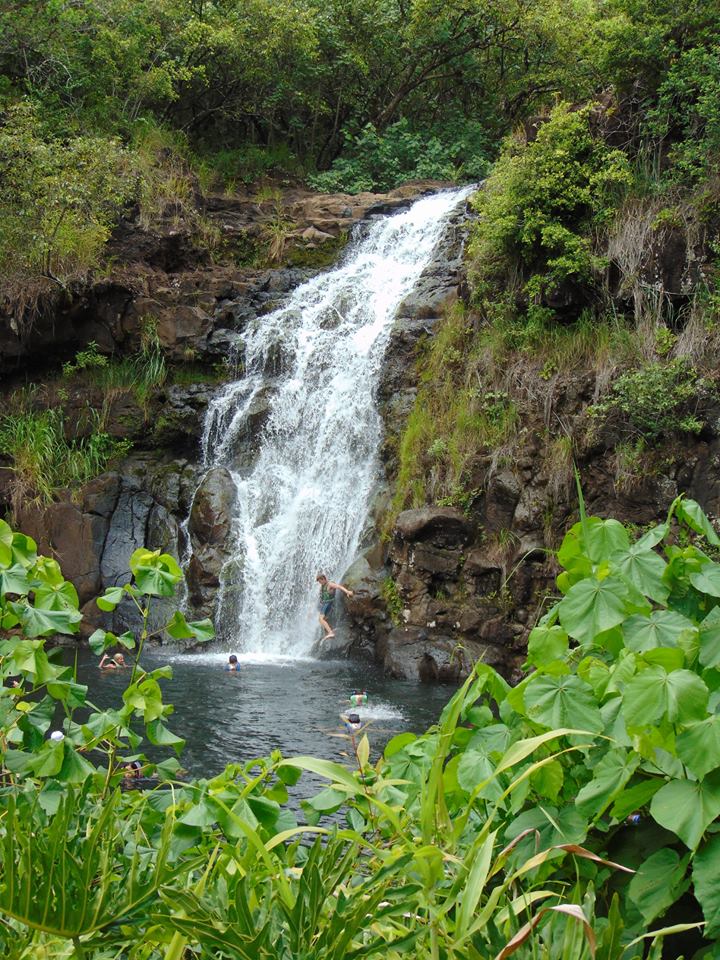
(327, 598)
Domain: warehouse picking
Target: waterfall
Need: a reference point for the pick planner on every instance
(314, 365)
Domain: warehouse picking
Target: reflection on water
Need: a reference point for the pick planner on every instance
(290, 705)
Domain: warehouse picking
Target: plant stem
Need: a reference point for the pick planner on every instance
(79, 950)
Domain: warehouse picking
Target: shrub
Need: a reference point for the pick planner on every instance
(58, 198)
(688, 114)
(380, 161)
(541, 204)
(503, 830)
(659, 398)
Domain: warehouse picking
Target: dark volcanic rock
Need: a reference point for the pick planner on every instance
(210, 529)
(440, 525)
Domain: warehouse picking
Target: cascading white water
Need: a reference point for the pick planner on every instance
(304, 501)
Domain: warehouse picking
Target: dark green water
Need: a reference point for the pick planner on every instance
(292, 706)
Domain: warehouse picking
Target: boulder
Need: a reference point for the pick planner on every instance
(432, 560)
(443, 526)
(75, 539)
(413, 653)
(212, 508)
(210, 528)
(126, 533)
(366, 585)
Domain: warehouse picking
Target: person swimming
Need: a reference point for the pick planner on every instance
(116, 662)
(358, 698)
(232, 666)
(352, 722)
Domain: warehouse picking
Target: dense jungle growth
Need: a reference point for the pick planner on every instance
(110, 103)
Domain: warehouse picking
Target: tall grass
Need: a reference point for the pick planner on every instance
(482, 380)
(44, 460)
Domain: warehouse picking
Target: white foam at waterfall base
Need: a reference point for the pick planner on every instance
(316, 361)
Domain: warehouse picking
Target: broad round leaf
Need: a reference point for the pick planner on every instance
(653, 694)
(564, 701)
(155, 573)
(609, 777)
(663, 628)
(593, 606)
(699, 746)
(602, 538)
(653, 888)
(546, 644)
(110, 599)
(687, 808)
(710, 639)
(691, 513)
(644, 569)
(15, 580)
(707, 579)
(40, 623)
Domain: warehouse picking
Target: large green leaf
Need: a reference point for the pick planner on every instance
(474, 768)
(603, 538)
(688, 807)
(635, 797)
(6, 537)
(593, 606)
(609, 777)
(656, 884)
(41, 623)
(709, 655)
(644, 569)
(199, 630)
(155, 573)
(663, 628)
(691, 513)
(14, 580)
(707, 579)
(110, 599)
(698, 746)
(56, 596)
(652, 537)
(653, 694)
(546, 644)
(75, 768)
(160, 735)
(706, 882)
(563, 701)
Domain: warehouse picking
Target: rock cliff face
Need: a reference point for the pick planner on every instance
(445, 587)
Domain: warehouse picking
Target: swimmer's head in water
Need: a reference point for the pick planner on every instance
(119, 659)
(232, 658)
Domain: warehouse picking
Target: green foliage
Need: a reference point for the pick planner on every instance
(85, 359)
(688, 113)
(541, 203)
(500, 831)
(381, 161)
(657, 399)
(393, 601)
(480, 382)
(58, 197)
(44, 459)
